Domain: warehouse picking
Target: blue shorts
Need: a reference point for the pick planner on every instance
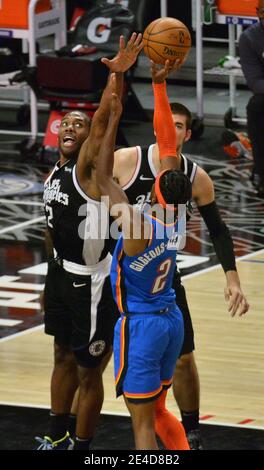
(146, 348)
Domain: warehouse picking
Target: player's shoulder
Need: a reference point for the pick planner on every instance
(125, 159)
(190, 165)
(201, 176)
(203, 187)
(125, 153)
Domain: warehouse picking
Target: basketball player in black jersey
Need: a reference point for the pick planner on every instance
(79, 309)
(136, 169)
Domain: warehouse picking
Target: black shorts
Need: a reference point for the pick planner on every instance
(181, 301)
(80, 313)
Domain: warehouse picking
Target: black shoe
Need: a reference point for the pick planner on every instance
(194, 439)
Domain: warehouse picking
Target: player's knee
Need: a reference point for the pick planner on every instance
(144, 422)
(185, 364)
(63, 356)
(90, 377)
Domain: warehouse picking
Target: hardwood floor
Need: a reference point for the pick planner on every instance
(229, 353)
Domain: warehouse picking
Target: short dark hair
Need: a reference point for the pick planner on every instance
(175, 187)
(84, 115)
(178, 108)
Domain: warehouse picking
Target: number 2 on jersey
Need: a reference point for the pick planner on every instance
(161, 279)
(49, 216)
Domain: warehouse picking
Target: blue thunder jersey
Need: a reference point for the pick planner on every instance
(143, 283)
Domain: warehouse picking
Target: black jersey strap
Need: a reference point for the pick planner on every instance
(188, 167)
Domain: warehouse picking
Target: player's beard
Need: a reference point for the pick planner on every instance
(71, 155)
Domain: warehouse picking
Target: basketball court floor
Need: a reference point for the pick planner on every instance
(229, 351)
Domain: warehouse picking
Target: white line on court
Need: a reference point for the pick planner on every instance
(188, 276)
(213, 268)
(21, 203)
(5, 322)
(22, 333)
(24, 405)
(22, 224)
(124, 414)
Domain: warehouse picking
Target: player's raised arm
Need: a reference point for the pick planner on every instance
(105, 160)
(162, 121)
(124, 59)
(127, 54)
(126, 216)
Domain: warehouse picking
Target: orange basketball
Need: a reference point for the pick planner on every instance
(166, 39)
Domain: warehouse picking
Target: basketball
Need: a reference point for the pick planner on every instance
(166, 39)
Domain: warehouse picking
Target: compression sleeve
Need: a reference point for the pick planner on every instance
(220, 236)
(163, 122)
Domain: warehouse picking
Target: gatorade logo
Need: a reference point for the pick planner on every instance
(99, 30)
(54, 127)
(209, 9)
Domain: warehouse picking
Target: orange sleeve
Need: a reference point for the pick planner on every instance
(163, 122)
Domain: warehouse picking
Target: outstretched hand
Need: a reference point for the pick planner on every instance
(127, 54)
(160, 74)
(237, 300)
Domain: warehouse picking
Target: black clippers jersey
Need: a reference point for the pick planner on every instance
(74, 219)
(138, 189)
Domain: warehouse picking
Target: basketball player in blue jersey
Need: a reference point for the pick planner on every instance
(135, 169)
(78, 305)
(149, 335)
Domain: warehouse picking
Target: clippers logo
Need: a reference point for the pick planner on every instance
(97, 348)
(54, 127)
(99, 30)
